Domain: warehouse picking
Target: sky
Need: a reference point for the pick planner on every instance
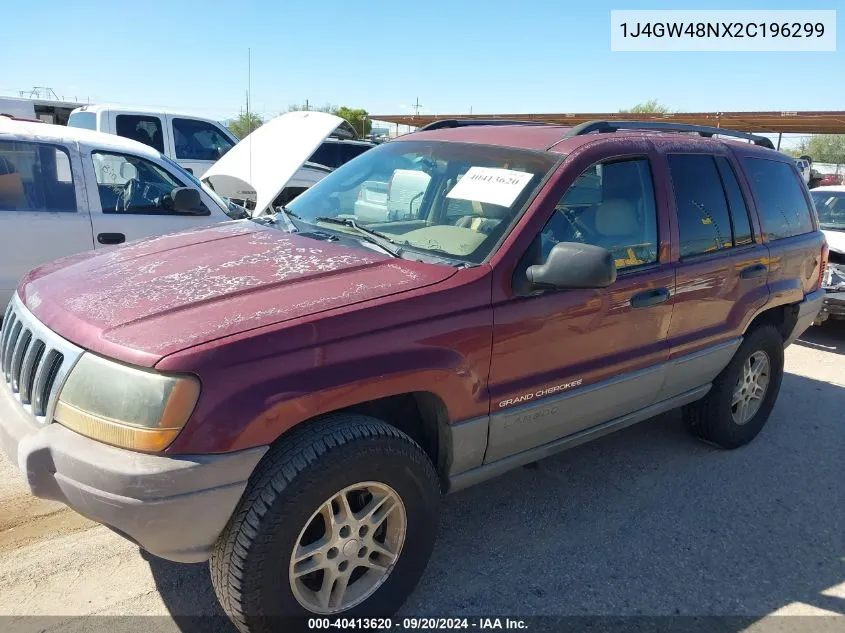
(489, 56)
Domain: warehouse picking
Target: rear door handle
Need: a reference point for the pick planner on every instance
(758, 270)
(650, 298)
(111, 238)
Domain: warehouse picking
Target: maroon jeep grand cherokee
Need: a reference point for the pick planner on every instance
(289, 397)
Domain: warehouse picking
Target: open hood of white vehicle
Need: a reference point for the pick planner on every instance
(265, 160)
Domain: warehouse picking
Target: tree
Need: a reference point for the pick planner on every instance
(296, 107)
(647, 107)
(358, 118)
(826, 148)
(244, 123)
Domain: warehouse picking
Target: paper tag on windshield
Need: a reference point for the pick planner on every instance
(490, 185)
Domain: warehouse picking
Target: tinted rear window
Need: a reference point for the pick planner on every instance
(784, 211)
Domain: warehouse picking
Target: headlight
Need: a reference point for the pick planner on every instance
(130, 407)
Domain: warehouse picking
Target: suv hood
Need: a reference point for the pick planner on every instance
(266, 159)
(154, 297)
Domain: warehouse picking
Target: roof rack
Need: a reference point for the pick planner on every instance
(448, 123)
(707, 131)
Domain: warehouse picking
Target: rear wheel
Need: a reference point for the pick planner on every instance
(339, 520)
(743, 395)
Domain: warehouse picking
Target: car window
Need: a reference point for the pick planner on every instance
(199, 140)
(736, 202)
(85, 120)
(35, 177)
(326, 155)
(610, 205)
(404, 189)
(784, 211)
(145, 129)
(704, 223)
(830, 206)
(131, 184)
(348, 151)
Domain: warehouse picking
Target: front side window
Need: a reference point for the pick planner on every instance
(84, 120)
(199, 140)
(325, 155)
(35, 177)
(704, 223)
(784, 211)
(447, 200)
(144, 129)
(131, 184)
(830, 205)
(610, 205)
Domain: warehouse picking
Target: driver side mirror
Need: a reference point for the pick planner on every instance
(574, 265)
(186, 200)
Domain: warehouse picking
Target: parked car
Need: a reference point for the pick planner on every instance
(804, 168)
(64, 191)
(830, 206)
(197, 143)
(289, 398)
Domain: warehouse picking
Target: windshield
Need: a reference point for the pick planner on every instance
(453, 200)
(231, 209)
(830, 206)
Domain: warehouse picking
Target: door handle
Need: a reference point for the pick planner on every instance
(111, 238)
(650, 298)
(758, 270)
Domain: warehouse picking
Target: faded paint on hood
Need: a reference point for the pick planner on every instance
(154, 297)
(268, 158)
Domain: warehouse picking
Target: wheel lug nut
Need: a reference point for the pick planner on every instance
(332, 553)
(362, 552)
(362, 532)
(343, 565)
(345, 531)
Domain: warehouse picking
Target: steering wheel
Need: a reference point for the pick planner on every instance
(134, 191)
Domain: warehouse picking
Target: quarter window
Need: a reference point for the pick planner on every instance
(35, 177)
(784, 211)
(199, 140)
(145, 129)
(610, 205)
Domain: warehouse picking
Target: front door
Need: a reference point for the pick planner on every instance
(135, 202)
(568, 360)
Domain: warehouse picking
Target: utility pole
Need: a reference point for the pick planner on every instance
(417, 107)
(307, 107)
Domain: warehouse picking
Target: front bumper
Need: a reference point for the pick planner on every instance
(173, 507)
(808, 312)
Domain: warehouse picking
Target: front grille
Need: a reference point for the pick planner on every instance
(34, 361)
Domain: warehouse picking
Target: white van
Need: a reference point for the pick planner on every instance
(193, 142)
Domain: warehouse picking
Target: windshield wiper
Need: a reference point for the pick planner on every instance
(367, 234)
(287, 214)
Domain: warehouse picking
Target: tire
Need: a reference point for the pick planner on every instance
(251, 565)
(712, 418)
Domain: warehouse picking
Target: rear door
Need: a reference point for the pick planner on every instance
(789, 226)
(43, 209)
(722, 266)
(130, 200)
(198, 144)
(568, 360)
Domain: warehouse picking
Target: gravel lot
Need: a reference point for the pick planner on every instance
(643, 522)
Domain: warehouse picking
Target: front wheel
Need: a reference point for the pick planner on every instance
(339, 520)
(743, 395)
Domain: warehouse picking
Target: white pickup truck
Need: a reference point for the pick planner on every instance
(64, 190)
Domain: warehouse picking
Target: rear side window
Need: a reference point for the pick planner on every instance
(348, 151)
(35, 177)
(784, 211)
(145, 129)
(704, 222)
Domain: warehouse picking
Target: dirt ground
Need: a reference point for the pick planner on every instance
(646, 522)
